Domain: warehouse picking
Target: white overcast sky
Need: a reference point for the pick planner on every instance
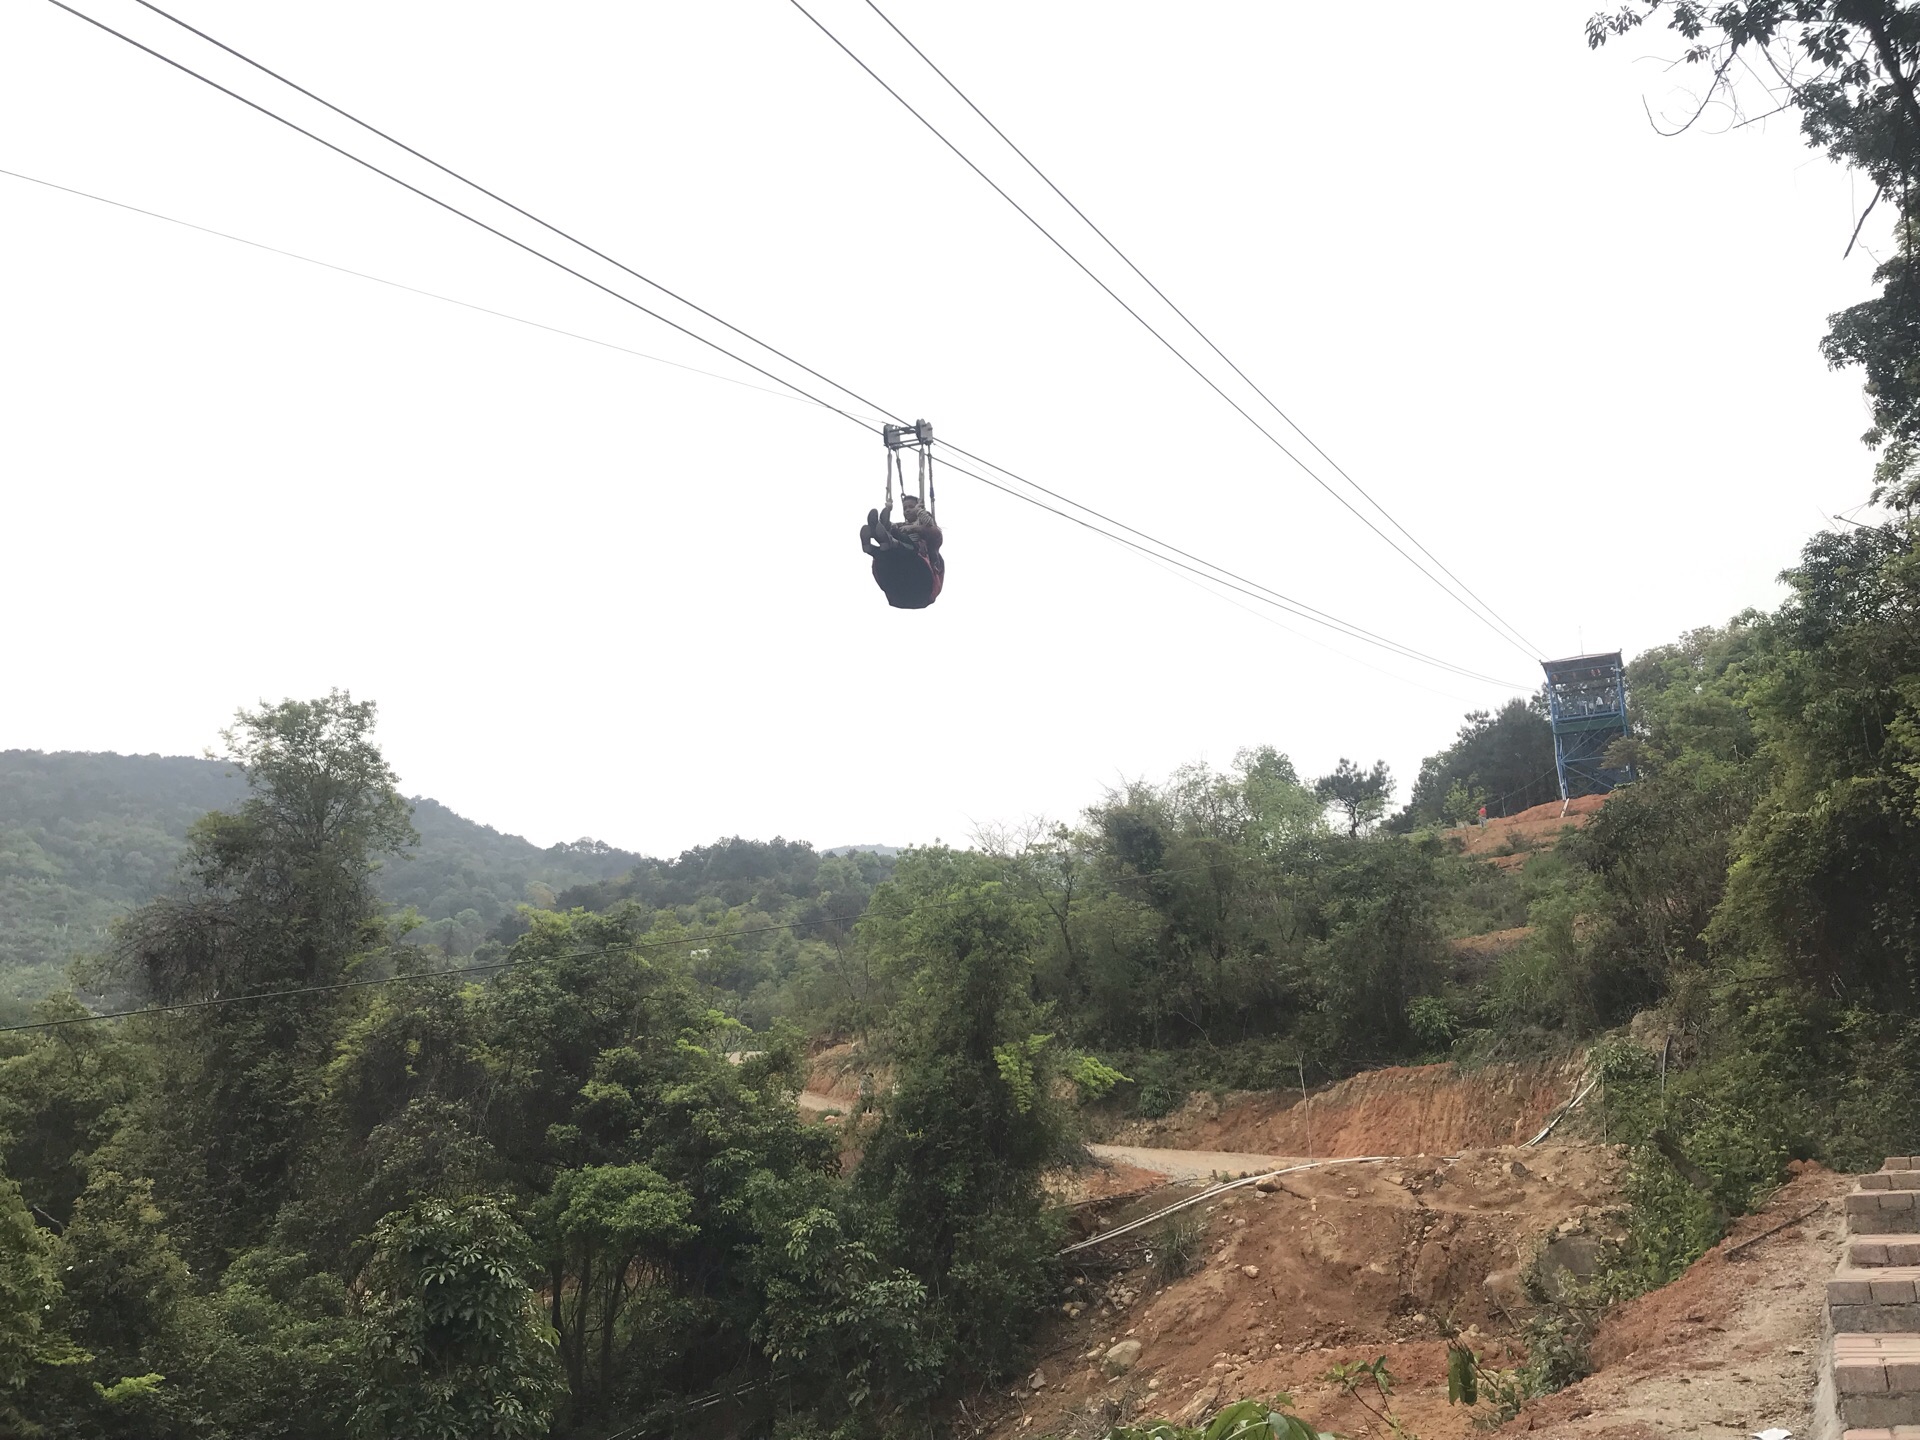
(597, 595)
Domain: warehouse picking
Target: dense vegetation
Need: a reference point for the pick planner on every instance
(86, 838)
(335, 1189)
(574, 1193)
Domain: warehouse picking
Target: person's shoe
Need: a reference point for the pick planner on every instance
(873, 521)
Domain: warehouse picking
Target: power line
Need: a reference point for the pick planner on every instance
(400, 285)
(1294, 607)
(1533, 650)
(1147, 325)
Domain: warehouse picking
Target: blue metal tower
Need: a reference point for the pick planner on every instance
(1587, 700)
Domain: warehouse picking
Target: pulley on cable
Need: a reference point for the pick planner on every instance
(907, 563)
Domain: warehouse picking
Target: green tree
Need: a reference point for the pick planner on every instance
(1360, 795)
(1828, 881)
(949, 1187)
(1383, 947)
(29, 1291)
(277, 894)
(612, 1229)
(1503, 760)
(1849, 69)
(455, 1343)
(64, 1094)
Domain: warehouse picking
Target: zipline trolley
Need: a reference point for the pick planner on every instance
(907, 563)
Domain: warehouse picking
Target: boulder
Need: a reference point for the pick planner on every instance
(1122, 1357)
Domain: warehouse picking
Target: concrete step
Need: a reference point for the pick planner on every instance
(1882, 1300)
(1885, 1432)
(1883, 1212)
(1877, 1378)
(1867, 1254)
(1891, 1180)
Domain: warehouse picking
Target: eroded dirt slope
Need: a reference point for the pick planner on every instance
(1345, 1268)
(1728, 1349)
(1340, 1264)
(1401, 1110)
(1508, 842)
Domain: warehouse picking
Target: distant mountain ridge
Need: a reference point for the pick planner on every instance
(86, 837)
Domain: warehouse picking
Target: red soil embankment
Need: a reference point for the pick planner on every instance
(1506, 842)
(1401, 1110)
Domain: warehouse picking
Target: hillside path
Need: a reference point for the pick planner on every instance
(1174, 1164)
(1193, 1164)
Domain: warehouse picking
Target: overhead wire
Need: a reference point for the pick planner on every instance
(1530, 652)
(1286, 602)
(1189, 571)
(501, 314)
(450, 207)
(1264, 618)
(501, 199)
(1299, 609)
(1532, 649)
(410, 289)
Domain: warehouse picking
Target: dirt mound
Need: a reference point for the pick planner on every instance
(1401, 1110)
(1340, 1264)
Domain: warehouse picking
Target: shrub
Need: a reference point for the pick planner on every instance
(1176, 1247)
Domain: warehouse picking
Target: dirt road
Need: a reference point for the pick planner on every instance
(1174, 1164)
(1192, 1164)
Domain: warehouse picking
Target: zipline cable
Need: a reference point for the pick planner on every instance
(1298, 609)
(744, 334)
(1532, 650)
(501, 199)
(453, 209)
(1349, 627)
(1173, 349)
(501, 314)
(402, 285)
(1293, 607)
(1182, 573)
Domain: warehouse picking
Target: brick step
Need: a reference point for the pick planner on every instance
(1885, 1432)
(1878, 1379)
(1880, 1301)
(1891, 1180)
(1870, 1254)
(1901, 1162)
(1883, 1212)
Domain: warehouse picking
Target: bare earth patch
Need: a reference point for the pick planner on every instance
(1730, 1348)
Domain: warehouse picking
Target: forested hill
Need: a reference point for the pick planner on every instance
(85, 838)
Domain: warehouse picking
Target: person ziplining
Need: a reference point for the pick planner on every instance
(907, 563)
